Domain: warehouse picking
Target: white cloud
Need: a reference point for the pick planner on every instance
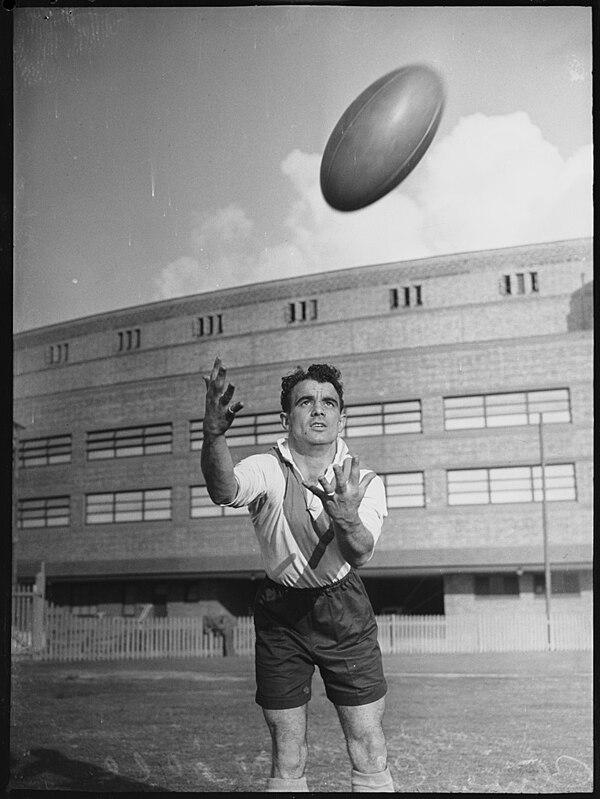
(218, 255)
(492, 182)
(495, 182)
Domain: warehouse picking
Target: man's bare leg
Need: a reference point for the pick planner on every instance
(289, 749)
(365, 740)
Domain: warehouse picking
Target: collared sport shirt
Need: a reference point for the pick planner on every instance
(294, 532)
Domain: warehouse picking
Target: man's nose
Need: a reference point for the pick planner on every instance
(318, 409)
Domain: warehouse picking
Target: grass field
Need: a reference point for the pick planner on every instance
(493, 723)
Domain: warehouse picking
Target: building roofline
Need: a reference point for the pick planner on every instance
(430, 266)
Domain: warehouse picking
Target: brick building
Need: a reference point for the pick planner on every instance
(447, 364)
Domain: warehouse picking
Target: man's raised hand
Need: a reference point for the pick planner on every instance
(219, 413)
(346, 491)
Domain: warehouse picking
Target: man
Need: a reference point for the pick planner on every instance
(317, 517)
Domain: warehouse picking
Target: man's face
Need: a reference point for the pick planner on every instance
(315, 415)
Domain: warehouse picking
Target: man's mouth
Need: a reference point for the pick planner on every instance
(319, 425)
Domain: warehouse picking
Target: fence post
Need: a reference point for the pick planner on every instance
(38, 599)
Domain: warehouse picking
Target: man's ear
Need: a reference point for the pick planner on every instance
(342, 422)
(284, 420)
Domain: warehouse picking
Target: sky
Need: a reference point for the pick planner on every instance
(163, 152)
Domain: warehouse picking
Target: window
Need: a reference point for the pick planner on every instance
(57, 353)
(44, 512)
(385, 418)
(211, 325)
(128, 506)
(563, 582)
(125, 442)
(509, 484)
(533, 277)
(45, 451)
(507, 409)
(301, 311)
(519, 283)
(496, 585)
(411, 295)
(404, 489)
(201, 505)
(129, 339)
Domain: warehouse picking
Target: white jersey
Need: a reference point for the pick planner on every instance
(294, 532)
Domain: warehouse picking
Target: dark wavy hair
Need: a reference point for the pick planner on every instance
(320, 372)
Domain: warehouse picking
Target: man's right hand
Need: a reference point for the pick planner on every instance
(219, 413)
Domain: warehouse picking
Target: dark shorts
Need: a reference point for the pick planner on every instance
(332, 628)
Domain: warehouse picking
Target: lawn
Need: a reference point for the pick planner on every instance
(455, 723)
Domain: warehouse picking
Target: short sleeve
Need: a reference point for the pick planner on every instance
(253, 476)
(373, 508)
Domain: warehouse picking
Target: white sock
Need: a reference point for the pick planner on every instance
(286, 785)
(379, 782)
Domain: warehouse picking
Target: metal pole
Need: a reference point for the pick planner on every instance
(15, 500)
(15, 522)
(547, 575)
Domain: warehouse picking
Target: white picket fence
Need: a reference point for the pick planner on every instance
(485, 633)
(66, 637)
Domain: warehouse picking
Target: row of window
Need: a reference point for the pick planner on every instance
(490, 486)
(298, 311)
(384, 418)
(561, 582)
(520, 283)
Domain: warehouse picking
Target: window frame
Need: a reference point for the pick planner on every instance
(305, 310)
(208, 325)
(57, 354)
(113, 439)
(390, 482)
(39, 512)
(384, 418)
(52, 450)
(129, 339)
(129, 507)
(486, 487)
(527, 405)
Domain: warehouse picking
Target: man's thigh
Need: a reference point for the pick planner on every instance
(283, 664)
(287, 725)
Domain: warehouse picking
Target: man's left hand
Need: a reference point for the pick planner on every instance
(342, 497)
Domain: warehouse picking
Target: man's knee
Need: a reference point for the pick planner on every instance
(365, 739)
(289, 760)
(367, 749)
(288, 735)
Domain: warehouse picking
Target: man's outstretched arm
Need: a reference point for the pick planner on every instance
(215, 459)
